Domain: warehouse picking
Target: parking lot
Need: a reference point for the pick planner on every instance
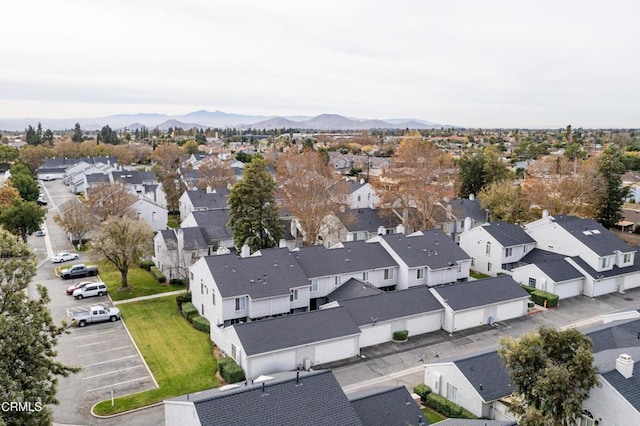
(105, 352)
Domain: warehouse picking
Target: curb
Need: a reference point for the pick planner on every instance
(110, 416)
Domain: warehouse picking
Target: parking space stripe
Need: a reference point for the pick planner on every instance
(106, 350)
(112, 372)
(111, 360)
(119, 383)
(94, 334)
(92, 344)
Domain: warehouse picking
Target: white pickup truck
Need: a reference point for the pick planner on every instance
(89, 314)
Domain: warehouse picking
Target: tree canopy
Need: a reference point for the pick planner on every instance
(253, 210)
(610, 165)
(28, 365)
(552, 372)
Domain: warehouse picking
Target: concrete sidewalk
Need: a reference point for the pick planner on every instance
(153, 296)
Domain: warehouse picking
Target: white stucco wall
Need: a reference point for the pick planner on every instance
(436, 376)
(609, 407)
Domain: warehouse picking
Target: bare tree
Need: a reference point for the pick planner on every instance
(110, 200)
(310, 190)
(416, 181)
(168, 159)
(76, 218)
(122, 242)
(215, 173)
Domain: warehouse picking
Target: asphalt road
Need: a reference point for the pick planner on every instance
(107, 355)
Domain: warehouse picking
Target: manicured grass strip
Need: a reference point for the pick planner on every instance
(478, 275)
(140, 283)
(432, 416)
(180, 357)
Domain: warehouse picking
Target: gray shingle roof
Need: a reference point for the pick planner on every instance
(193, 238)
(615, 336)
(214, 223)
(316, 398)
(602, 242)
(289, 331)
(369, 220)
(97, 177)
(209, 200)
(610, 273)
(391, 305)
(487, 374)
(478, 293)
(386, 406)
(508, 234)
(356, 256)
(129, 177)
(351, 289)
(628, 388)
(272, 274)
(553, 265)
(462, 208)
(170, 239)
(434, 249)
(476, 422)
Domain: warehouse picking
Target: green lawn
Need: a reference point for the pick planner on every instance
(140, 282)
(173, 221)
(180, 357)
(478, 275)
(432, 416)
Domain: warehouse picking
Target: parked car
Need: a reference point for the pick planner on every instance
(64, 257)
(78, 285)
(41, 201)
(90, 290)
(84, 316)
(40, 233)
(78, 271)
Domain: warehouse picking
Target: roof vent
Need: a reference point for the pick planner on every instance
(624, 365)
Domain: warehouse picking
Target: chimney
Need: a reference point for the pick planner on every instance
(624, 365)
(282, 243)
(245, 251)
(545, 213)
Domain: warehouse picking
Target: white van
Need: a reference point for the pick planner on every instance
(95, 289)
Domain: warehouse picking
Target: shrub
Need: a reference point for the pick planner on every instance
(230, 371)
(422, 390)
(528, 289)
(200, 323)
(147, 264)
(159, 276)
(183, 298)
(401, 335)
(540, 296)
(177, 282)
(189, 311)
(450, 409)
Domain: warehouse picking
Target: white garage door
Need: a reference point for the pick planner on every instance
(272, 363)
(511, 310)
(469, 319)
(568, 289)
(374, 335)
(424, 324)
(605, 287)
(334, 351)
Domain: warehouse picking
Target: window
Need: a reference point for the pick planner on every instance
(365, 276)
(337, 281)
(202, 309)
(153, 216)
(508, 251)
(234, 351)
(191, 275)
(532, 282)
(489, 267)
(420, 273)
(293, 296)
(213, 297)
(459, 267)
(586, 419)
(605, 262)
(452, 393)
(241, 303)
(627, 258)
(388, 274)
(488, 248)
(314, 285)
(473, 261)
(201, 287)
(358, 198)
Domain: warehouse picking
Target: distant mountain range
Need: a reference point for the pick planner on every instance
(203, 119)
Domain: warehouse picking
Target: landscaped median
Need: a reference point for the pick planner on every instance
(179, 356)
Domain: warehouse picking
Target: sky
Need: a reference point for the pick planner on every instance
(468, 63)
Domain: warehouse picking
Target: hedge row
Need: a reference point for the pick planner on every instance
(447, 408)
(528, 289)
(189, 311)
(422, 390)
(183, 298)
(230, 371)
(200, 323)
(147, 264)
(159, 276)
(540, 296)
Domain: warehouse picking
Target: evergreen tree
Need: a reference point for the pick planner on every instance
(470, 167)
(552, 371)
(22, 180)
(254, 214)
(611, 166)
(22, 218)
(28, 366)
(77, 134)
